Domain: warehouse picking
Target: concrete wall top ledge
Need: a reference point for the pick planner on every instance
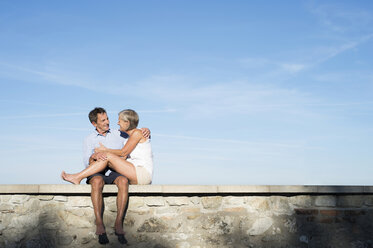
(188, 189)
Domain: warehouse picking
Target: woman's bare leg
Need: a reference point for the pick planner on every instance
(93, 168)
(123, 167)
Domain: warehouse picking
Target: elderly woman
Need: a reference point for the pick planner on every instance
(134, 160)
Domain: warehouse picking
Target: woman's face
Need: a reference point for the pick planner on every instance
(124, 125)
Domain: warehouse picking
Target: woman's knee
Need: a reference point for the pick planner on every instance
(110, 156)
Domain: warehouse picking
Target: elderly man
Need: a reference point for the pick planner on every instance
(113, 139)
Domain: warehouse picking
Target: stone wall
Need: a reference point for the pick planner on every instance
(193, 217)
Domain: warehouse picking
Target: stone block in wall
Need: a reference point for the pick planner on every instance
(22, 221)
(217, 224)
(260, 226)
(109, 218)
(45, 197)
(6, 207)
(129, 221)
(51, 226)
(64, 238)
(14, 236)
(257, 203)
(240, 210)
(326, 201)
(290, 224)
(5, 198)
(153, 225)
(190, 213)
(135, 202)
(78, 201)
(154, 201)
(330, 212)
(166, 211)
(142, 211)
(51, 208)
(368, 200)
(350, 201)
(2, 227)
(234, 200)
(80, 212)
(306, 211)
(177, 201)
(6, 218)
(60, 198)
(19, 199)
(193, 216)
(31, 206)
(110, 203)
(173, 222)
(73, 220)
(280, 205)
(183, 245)
(88, 239)
(195, 200)
(304, 201)
(211, 202)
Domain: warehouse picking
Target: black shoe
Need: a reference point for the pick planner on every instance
(103, 239)
(121, 238)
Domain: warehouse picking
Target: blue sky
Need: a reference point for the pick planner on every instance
(234, 92)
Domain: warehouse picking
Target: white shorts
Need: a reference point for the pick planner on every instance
(143, 175)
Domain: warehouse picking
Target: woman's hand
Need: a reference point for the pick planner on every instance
(102, 148)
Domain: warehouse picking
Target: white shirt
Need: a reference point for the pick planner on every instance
(142, 155)
(114, 139)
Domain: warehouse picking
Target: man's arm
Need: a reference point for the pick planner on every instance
(87, 152)
(145, 132)
(89, 156)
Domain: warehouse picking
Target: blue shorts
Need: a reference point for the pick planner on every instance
(109, 179)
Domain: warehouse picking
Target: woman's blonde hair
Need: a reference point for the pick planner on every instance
(131, 116)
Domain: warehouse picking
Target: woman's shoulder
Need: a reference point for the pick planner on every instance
(138, 133)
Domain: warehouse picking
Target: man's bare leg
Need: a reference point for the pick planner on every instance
(122, 200)
(97, 185)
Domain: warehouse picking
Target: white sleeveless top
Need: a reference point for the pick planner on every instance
(142, 156)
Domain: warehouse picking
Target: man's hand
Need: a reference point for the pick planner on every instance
(98, 156)
(100, 149)
(145, 132)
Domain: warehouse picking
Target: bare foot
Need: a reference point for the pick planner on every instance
(100, 229)
(70, 178)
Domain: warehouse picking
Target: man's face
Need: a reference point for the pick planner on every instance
(102, 124)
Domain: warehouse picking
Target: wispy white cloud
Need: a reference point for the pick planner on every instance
(327, 53)
(272, 65)
(184, 94)
(234, 96)
(34, 103)
(341, 104)
(61, 128)
(341, 18)
(149, 111)
(314, 56)
(293, 68)
(45, 73)
(31, 116)
(233, 141)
